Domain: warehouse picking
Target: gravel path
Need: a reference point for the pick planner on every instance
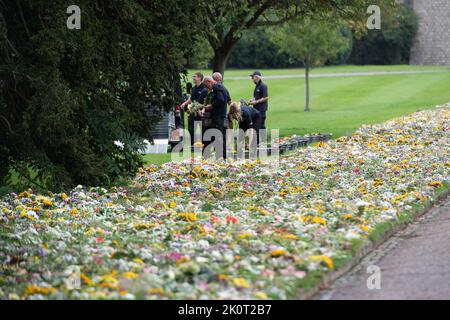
(346, 74)
(414, 264)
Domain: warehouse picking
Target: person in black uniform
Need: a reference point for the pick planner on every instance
(217, 76)
(247, 118)
(199, 93)
(218, 108)
(260, 97)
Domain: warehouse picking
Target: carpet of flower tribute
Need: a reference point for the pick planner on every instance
(223, 230)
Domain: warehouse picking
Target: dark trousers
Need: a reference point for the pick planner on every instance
(191, 128)
(262, 125)
(223, 130)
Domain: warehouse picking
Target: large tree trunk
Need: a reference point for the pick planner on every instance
(307, 88)
(220, 59)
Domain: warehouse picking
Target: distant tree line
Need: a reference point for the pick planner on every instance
(390, 45)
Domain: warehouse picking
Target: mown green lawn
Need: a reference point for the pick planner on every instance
(331, 69)
(341, 104)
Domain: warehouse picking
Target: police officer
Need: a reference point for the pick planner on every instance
(260, 97)
(199, 93)
(218, 109)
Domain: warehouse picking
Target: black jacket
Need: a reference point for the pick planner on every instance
(261, 91)
(219, 101)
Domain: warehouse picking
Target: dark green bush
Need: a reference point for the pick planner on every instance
(67, 95)
(390, 45)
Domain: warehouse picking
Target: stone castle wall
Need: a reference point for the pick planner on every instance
(432, 43)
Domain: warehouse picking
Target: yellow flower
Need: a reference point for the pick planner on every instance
(436, 184)
(86, 279)
(74, 211)
(260, 295)
(157, 291)
(263, 212)
(138, 261)
(188, 216)
(182, 260)
(245, 235)
(319, 220)
(129, 275)
(278, 252)
(327, 260)
(222, 277)
(34, 289)
(64, 196)
(47, 202)
(241, 283)
(172, 205)
(365, 228)
(348, 216)
(290, 236)
(109, 280)
(142, 225)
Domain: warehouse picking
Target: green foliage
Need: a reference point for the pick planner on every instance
(225, 22)
(256, 50)
(201, 55)
(311, 41)
(67, 95)
(390, 45)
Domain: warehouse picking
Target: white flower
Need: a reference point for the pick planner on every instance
(32, 214)
(119, 144)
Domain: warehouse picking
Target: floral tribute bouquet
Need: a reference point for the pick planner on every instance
(195, 108)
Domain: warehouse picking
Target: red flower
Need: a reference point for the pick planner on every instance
(231, 219)
(100, 240)
(214, 219)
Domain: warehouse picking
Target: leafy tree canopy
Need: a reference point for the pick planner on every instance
(224, 22)
(67, 95)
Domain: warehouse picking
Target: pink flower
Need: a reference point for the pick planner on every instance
(175, 255)
(203, 286)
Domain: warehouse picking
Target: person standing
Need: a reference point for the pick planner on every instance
(218, 108)
(217, 76)
(199, 93)
(260, 97)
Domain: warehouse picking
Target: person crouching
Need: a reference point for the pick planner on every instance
(249, 120)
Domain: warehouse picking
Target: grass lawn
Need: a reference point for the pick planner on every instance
(231, 73)
(157, 159)
(340, 105)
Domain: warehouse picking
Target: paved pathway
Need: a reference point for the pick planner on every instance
(346, 74)
(414, 264)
